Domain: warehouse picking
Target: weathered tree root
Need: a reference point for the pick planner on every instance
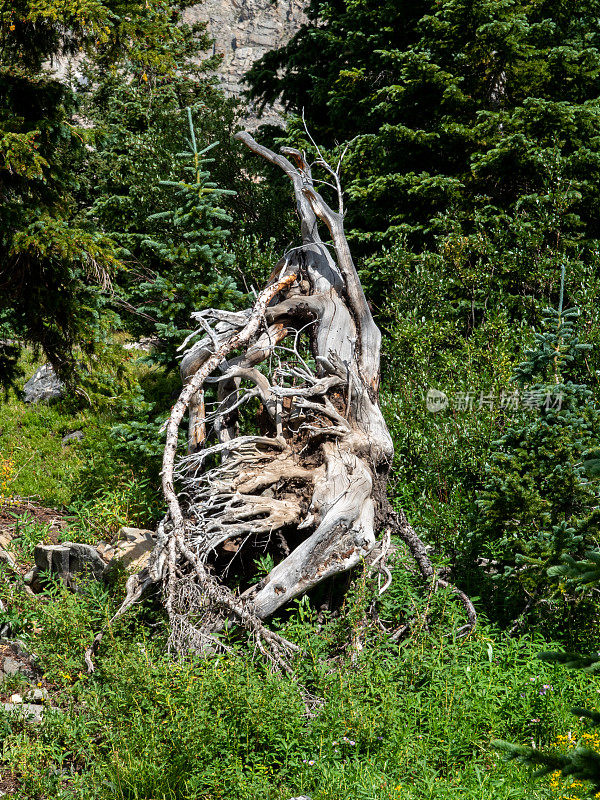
(312, 479)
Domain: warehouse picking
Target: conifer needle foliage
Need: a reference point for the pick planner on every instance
(445, 103)
(189, 240)
(54, 264)
(538, 501)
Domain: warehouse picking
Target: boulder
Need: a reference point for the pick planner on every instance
(31, 711)
(10, 666)
(37, 695)
(75, 436)
(44, 385)
(146, 344)
(132, 548)
(69, 559)
(15, 660)
(18, 646)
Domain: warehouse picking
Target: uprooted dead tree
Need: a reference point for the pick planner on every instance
(286, 447)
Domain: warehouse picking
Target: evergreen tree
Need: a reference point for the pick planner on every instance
(189, 239)
(539, 502)
(54, 261)
(48, 266)
(136, 160)
(449, 105)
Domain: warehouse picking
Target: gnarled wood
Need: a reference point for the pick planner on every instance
(286, 440)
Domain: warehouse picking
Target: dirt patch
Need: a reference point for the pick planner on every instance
(8, 783)
(27, 510)
(28, 671)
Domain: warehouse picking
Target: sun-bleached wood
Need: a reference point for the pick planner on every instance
(305, 361)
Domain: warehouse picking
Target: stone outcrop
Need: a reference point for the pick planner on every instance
(132, 549)
(71, 560)
(44, 385)
(243, 31)
(16, 661)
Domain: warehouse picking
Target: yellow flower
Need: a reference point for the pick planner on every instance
(11, 27)
(144, 77)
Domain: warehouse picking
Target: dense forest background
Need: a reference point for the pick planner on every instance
(471, 141)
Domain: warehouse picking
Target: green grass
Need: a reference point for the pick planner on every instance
(408, 722)
(413, 721)
(90, 478)
(30, 438)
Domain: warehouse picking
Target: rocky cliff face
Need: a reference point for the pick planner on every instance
(245, 29)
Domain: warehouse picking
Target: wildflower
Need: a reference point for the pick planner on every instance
(311, 763)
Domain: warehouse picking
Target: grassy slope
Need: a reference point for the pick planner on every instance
(414, 721)
(30, 440)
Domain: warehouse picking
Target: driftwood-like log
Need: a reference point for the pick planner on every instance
(286, 439)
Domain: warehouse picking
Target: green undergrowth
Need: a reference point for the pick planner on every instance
(101, 481)
(411, 720)
(408, 721)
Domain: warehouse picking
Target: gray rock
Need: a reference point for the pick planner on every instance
(69, 559)
(44, 385)
(147, 344)
(132, 549)
(76, 436)
(37, 695)
(243, 30)
(31, 711)
(11, 666)
(134, 546)
(18, 645)
(31, 579)
(52, 558)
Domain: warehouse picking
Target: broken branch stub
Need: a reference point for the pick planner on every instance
(288, 451)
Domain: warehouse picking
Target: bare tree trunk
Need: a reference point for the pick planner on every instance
(293, 448)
